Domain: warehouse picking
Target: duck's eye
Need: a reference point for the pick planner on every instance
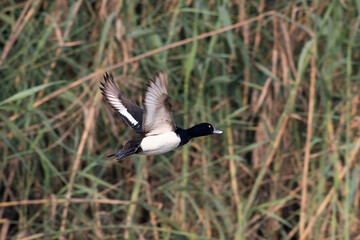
(209, 126)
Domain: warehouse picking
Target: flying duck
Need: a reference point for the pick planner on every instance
(156, 132)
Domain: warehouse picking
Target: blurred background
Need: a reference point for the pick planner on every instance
(280, 78)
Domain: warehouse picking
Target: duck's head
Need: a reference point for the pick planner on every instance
(203, 129)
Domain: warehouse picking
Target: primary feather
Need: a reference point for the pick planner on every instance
(129, 111)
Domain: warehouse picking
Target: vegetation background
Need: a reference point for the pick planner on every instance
(280, 78)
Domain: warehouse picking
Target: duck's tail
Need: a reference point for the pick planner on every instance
(131, 147)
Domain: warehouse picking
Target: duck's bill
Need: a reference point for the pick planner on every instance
(217, 131)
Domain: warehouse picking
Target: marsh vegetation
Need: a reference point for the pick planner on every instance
(280, 78)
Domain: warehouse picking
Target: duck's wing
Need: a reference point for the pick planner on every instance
(158, 116)
(129, 111)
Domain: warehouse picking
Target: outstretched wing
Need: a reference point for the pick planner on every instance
(158, 116)
(129, 111)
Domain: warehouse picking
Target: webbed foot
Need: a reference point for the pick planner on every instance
(124, 152)
(113, 154)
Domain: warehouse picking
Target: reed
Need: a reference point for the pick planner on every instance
(280, 78)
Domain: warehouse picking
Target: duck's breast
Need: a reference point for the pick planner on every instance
(158, 144)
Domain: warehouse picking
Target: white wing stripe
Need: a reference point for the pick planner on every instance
(126, 114)
(121, 108)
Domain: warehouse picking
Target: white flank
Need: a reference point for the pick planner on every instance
(158, 144)
(126, 114)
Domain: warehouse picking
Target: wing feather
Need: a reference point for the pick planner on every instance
(129, 111)
(158, 116)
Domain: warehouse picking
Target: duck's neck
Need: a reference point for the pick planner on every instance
(184, 135)
(187, 134)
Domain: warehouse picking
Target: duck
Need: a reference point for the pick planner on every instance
(154, 126)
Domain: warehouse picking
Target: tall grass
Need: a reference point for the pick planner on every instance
(280, 78)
